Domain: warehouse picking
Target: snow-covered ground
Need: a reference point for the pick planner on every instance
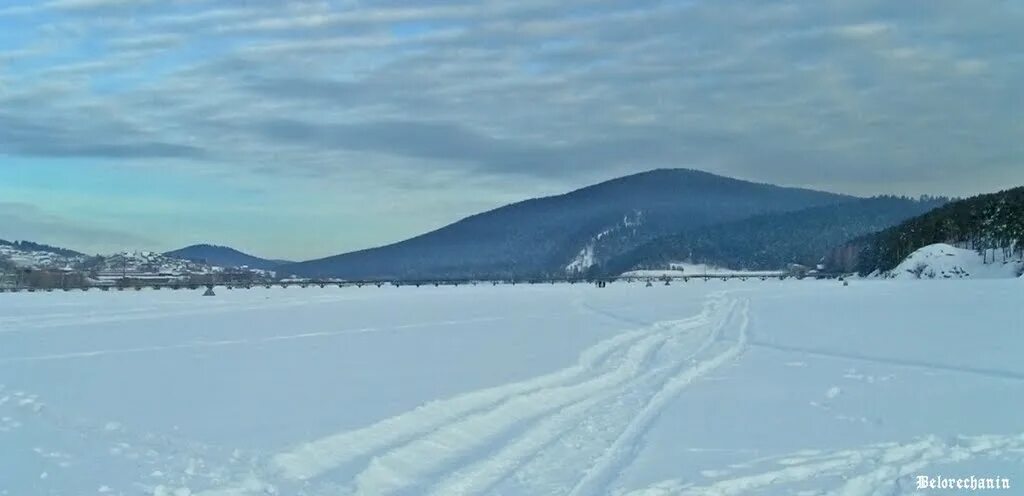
(681, 269)
(943, 261)
(704, 388)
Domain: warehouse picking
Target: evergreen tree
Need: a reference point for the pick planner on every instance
(992, 224)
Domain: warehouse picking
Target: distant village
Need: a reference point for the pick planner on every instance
(40, 269)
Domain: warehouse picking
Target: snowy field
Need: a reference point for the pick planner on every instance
(703, 388)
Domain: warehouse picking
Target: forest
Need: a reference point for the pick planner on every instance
(774, 241)
(992, 224)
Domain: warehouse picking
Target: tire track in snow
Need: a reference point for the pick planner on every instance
(480, 477)
(611, 315)
(624, 448)
(410, 448)
(317, 457)
(237, 342)
(559, 468)
(413, 464)
(90, 315)
(73, 321)
(899, 362)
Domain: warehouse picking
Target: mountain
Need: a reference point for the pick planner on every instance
(569, 233)
(773, 241)
(222, 256)
(991, 224)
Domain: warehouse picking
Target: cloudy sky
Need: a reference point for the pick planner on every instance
(299, 129)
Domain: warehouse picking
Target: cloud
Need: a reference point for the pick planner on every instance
(147, 41)
(22, 221)
(41, 138)
(94, 4)
(830, 94)
(864, 30)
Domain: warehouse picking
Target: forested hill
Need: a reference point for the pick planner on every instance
(570, 233)
(773, 241)
(223, 256)
(985, 222)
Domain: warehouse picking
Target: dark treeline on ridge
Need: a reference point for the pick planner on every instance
(992, 224)
(774, 241)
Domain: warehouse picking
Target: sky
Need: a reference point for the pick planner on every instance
(300, 129)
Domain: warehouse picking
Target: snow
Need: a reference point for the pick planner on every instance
(680, 269)
(584, 260)
(942, 261)
(586, 257)
(726, 388)
(36, 259)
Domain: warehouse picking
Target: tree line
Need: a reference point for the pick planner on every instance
(774, 241)
(992, 224)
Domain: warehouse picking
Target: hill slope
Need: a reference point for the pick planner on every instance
(223, 256)
(569, 233)
(26, 254)
(29, 246)
(942, 261)
(992, 224)
(773, 241)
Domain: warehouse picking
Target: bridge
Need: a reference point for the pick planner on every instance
(324, 283)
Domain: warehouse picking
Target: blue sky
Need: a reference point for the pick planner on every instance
(301, 129)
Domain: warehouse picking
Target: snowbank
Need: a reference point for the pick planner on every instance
(942, 261)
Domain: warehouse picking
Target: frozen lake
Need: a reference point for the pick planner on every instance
(758, 387)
